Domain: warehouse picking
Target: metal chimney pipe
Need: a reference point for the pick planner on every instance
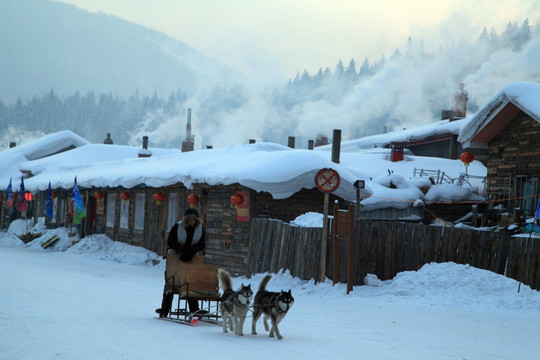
(336, 145)
(188, 126)
(252, 141)
(145, 142)
(310, 145)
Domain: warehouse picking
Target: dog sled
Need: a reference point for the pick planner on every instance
(192, 280)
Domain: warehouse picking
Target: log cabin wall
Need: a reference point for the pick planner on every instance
(513, 165)
(516, 149)
(227, 239)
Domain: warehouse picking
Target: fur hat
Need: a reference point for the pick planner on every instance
(191, 213)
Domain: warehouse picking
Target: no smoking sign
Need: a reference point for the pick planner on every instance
(327, 180)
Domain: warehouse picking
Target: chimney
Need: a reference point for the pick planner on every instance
(290, 142)
(321, 140)
(336, 145)
(396, 154)
(12, 144)
(108, 140)
(310, 144)
(252, 141)
(459, 110)
(187, 145)
(144, 152)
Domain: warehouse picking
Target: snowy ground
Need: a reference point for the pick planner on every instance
(96, 300)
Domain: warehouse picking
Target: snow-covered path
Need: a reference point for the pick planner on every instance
(60, 305)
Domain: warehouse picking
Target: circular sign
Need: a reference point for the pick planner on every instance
(327, 180)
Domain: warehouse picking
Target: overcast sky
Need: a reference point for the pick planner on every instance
(309, 34)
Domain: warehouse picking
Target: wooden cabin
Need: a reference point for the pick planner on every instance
(508, 127)
(135, 216)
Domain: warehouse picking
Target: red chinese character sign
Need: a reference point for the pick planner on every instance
(327, 180)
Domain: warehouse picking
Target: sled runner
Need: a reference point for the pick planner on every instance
(192, 280)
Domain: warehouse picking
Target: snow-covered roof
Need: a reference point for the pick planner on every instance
(273, 168)
(524, 95)
(438, 128)
(36, 149)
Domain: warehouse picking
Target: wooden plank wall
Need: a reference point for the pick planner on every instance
(276, 245)
(386, 248)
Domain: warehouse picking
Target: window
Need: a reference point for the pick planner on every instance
(172, 213)
(525, 188)
(111, 205)
(139, 211)
(124, 214)
(62, 210)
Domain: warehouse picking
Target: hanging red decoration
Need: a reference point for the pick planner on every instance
(467, 158)
(98, 195)
(193, 199)
(159, 197)
(237, 199)
(53, 195)
(125, 196)
(28, 196)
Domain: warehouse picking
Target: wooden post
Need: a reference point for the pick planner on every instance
(324, 237)
(335, 238)
(350, 248)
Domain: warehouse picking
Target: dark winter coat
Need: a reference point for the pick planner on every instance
(186, 241)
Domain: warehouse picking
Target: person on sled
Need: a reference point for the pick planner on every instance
(187, 238)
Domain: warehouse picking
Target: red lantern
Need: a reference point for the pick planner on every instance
(98, 195)
(467, 158)
(159, 197)
(125, 196)
(193, 199)
(28, 196)
(237, 199)
(53, 195)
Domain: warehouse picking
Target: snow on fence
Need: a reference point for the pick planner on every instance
(386, 248)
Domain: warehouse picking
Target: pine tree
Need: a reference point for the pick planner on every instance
(340, 70)
(350, 73)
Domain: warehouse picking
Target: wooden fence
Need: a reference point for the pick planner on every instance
(386, 248)
(275, 245)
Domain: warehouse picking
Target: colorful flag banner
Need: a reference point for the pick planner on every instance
(22, 199)
(9, 194)
(537, 214)
(78, 205)
(49, 209)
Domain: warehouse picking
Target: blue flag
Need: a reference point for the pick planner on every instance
(22, 199)
(9, 193)
(78, 205)
(537, 215)
(49, 210)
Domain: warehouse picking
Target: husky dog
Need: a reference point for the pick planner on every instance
(274, 305)
(234, 304)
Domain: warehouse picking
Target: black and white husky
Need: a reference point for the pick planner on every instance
(234, 304)
(274, 305)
